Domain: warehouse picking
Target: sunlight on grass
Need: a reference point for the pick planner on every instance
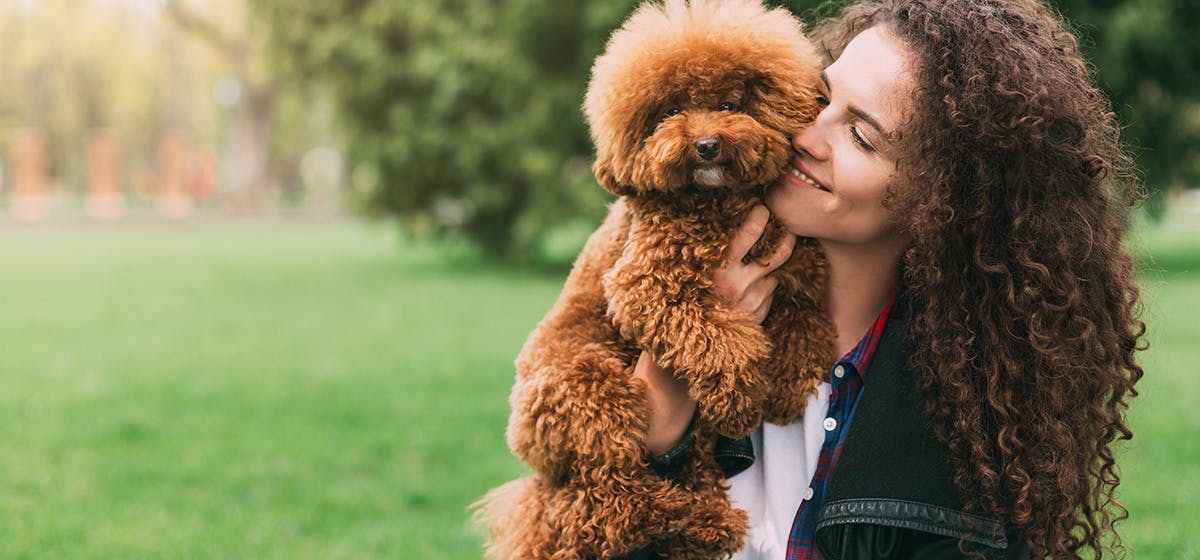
(295, 392)
(324, 391)
(1161, 465)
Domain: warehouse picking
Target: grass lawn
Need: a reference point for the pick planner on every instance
(1161, 465)
(250, 392)
(323, 391)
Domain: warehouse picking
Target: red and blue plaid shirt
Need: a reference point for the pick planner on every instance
(847, 378)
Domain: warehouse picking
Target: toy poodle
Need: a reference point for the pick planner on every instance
(692, 108)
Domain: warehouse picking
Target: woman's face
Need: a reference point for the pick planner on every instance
(845, 161)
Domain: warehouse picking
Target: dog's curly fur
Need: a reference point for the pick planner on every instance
(673, 79)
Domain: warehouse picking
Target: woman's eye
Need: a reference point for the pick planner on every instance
(726, 106)
(860, 139)
(673, 111)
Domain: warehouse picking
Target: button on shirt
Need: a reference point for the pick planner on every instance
(847, 378)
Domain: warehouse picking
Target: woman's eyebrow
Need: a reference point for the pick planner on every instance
(857, 112)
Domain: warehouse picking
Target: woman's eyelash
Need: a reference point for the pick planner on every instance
(855, 135)
(860, 140)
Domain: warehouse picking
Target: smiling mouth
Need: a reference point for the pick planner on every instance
(791, 170)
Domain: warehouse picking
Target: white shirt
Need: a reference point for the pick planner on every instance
(785, 458)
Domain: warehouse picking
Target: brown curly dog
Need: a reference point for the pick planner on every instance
(692, 108)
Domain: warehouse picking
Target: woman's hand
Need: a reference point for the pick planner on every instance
(745, 286)
(749, 286)
(671, 407)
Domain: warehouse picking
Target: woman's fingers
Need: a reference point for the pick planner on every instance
(781, 253)
(749, 286)
(760, 314)
(733, 277)
(760, 292)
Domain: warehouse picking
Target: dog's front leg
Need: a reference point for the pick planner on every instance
(660, 295)
(799, 326)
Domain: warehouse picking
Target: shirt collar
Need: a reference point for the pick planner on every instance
(860, 356)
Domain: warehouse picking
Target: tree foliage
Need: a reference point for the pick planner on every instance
(460, 114)
(464, 115)
(97, 76)
(144, 71)
(1147, 54)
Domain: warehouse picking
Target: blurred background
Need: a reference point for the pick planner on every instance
(267, 264)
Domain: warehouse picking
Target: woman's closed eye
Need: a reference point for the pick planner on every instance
(857, 136)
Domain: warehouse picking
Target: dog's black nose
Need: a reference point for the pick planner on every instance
(708, 148)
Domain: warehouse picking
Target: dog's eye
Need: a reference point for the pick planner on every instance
(726, 106)
(673, 111)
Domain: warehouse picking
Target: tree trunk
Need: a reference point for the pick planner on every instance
(248, 152)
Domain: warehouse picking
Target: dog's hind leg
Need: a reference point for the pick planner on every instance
(706, 525)
(574, 398)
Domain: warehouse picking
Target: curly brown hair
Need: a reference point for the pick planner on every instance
(1024, 303)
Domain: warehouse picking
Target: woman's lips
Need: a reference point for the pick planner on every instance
(797, 176)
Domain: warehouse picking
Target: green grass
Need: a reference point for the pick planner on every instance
(253, 392)
(1161, 465)
(323, 391)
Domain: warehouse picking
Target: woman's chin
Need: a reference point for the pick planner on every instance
(782, 201)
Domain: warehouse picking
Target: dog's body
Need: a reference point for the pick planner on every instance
(692, 108)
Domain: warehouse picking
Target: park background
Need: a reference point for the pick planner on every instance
(267, 264)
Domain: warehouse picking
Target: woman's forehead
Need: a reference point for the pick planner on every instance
(874, 73)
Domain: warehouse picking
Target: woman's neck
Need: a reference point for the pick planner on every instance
(861, 280)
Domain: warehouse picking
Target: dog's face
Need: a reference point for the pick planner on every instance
(703, 95)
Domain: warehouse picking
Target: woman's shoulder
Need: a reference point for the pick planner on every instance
(893, 475)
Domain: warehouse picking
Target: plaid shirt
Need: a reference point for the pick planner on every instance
(847, 379)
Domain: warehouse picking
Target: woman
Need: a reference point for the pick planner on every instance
(966, 183)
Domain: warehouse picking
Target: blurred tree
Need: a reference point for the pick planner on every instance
(463, 115)
(67, 84)
(250, 90)
(460, 115)
(145, 71)
(1147, 53)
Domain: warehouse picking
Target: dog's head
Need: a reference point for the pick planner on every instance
(705, 93)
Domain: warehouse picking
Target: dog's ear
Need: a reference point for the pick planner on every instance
(607, 178)
(785, 105)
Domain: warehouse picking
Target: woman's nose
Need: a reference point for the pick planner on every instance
(812, 140)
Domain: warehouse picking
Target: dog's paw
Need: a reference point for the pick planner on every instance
(719, 341)
(732, 402)
(789, 396)
(714, 530)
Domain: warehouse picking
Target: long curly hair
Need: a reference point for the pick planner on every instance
(1023, 302)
